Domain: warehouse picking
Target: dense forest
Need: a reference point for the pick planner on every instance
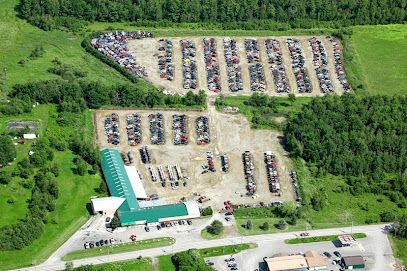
(49, 14)
(363, 139)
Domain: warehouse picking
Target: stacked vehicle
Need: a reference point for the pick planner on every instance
(202, 130)
(293, 176)
(272, 173)
(256, 71)
(114, 46)
(233, 68)
(212, 65)
(189, 64)
(298, 64)
(165, 62)
(145, 155)
(275, 57)
(320, 60)
(225, 162)
(133, 129)
(211, 164)
(248, 166)
(157, 129)
(180, 129)
(338, 64)
(112, 132)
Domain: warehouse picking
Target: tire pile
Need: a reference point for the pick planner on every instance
(233, 68)
(157, 128)
(112, 132)
(275, 57)
(320, 60)
(256, 71)
(189, 64)
(338, 64)
(297, 62)
(165, 55)
(202, 130)
(114, 46)
(212, 65)
(180, 129)
(133, 128)
(249, 172)
(272, 174)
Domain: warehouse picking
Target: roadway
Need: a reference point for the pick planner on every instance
(376, 247)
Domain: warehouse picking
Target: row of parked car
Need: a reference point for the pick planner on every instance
(168, 224)
(99, 243)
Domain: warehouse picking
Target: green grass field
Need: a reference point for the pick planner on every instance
(119, 248)
(209, 236)
(143, 264)
(325, 238)
(18, 40)
(382, 52)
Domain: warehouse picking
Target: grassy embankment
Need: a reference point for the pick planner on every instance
(119, 248)
(165, 263)
(315, 239)
(399, 248)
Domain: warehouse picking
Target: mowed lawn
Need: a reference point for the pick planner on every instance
(74, 193)
(19, 38)
(382, 53)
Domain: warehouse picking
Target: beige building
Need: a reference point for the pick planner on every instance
(311, 260)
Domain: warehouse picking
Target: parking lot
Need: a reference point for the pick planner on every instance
(230, 134)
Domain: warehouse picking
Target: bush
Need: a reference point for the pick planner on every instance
(215, 228)
(387, 216)
(207, 211)
(5, 177)
(265, 226)
(249, 224)
(281, 225)
(7, 150)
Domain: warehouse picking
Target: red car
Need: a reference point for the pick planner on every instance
(133, 238)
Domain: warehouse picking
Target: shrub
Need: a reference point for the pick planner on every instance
(215, 228)
(207, 211)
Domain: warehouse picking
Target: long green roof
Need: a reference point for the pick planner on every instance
(119, 186)
(117, 179)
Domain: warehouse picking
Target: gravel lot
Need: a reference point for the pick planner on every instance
(146, 50)
(230, 134)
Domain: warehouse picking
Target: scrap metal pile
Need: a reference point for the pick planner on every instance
(189, 64)
(145, 155)
(320, 59)
(233, 68)
(297, 62)
(127, 158)
(338, 64)
(157, 128)
(114, 46)
(249, 172)
(180, 129)
(202, 130)
(211, 164)
(112, 132)
(165, 64)
(275, 57)
(272, 174)
(256, 71)
(212, 65)
(133, 129)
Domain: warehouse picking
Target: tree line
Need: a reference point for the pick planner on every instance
(363, 139)
(75, 96)
(49, 14)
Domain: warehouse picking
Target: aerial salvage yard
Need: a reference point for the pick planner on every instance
(303, 65)
(191, 154)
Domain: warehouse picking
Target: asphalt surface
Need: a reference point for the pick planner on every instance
(375, 248)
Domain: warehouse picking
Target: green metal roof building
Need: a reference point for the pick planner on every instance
(130, 212)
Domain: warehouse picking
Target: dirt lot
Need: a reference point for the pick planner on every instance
(230, 134)
(146, 49)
